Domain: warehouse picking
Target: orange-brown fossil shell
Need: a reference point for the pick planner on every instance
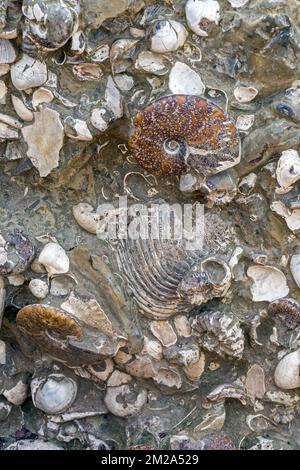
(180, 132)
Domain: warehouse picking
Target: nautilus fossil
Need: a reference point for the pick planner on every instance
(181, 132)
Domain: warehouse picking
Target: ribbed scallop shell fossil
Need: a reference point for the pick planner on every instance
(181, 132)
(220, 333)
(167, 279)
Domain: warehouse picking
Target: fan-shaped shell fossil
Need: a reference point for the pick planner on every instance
(167, 279)
(184, 131)
(287, 310)
(16, 252)
(53, 394)
(220, 333)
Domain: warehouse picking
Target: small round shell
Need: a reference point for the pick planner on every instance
(125, 400)
(168, 36)
(53, 394)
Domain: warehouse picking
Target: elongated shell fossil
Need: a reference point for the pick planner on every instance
(220, 333)
(180, 132)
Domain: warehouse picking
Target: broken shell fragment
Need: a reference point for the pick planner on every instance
(185, 81)
(54, 258)
(244, 94)
(255, 382)
(38, 288)
(86, 217)
(28, 73)
(125, 400)
(41, 96)
(269, 283)
(44, 139)
(295, 268)
(220, 333)
(200, 14)
(168, 36)
(16, 252)
(77, 129)
(22, 111)
(195, 370)
(168, 377)
(164, 332)
(53, 394)
(287, 372)
(7, 52)
(288, 168)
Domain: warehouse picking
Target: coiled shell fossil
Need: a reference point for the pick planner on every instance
(180, 132)
(220, 333)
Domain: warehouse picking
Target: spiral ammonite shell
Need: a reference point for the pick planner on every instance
(179, 132)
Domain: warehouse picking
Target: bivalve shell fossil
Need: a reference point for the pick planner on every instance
(28, 73)
(295, 268)
(269, 283)
(200, 14)
(184, 80)
(288, 168)
(54, 393)
(168, 36)
(287, 372)
(125, 400)
(54, 258)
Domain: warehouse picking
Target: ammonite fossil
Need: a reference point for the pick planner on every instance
(179, 132)
(220, 333)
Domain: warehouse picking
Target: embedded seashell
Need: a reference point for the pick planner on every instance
(22, 111)
(125, 400)
(88, 71)
(152, 348)
(7, 133)
(16, 279)
(220, 333)
(295, 268)
(288, 168)
(7, 52)
(168, 377)
(100, 118)
(45, 140)
(244, 94)
(113, 98)
(17, 393)
(102, 370)
(183, 353)
(101, 54)
(16, 252)
(204, 281)
(287, 372)
(86, 217)
(180, 132)
(168, 36)
(238, 3)
(245, 121)
(78, 43)
(269, 283)
(28, 73)
(200, 14)
(54, 258)
(287, 310)
(64, 337)
(10, 121)
(152, 63)
(77, 129)
(185, 81)
(54, 393)
(4, 69)
(118, 378)
(3, 92)
(142, 366)
(41, 96)
(195, 370)
(220, 188)
(182, 326)
(255, 382)
(164, 332)
(38, 288)
(49, 25)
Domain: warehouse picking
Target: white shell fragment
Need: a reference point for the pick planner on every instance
(184, 80)
(169, 35)
(7, 52)
(41, 96)
(3, 92)
(28, 73)
(54, 258)
(288, 168)
(45, 140)
(287, 372)
(17, 394)
(199, 13)
(164, 332)
(295, 268)
(38, 288)
(291, 216)
(113, 98)
(86, 217)
(244, 94)
(151, 63)
(245, 121)
(22, 111)
(125, 400)
(255, 382)
(269, 283)
(77, 129)
(238, 3)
